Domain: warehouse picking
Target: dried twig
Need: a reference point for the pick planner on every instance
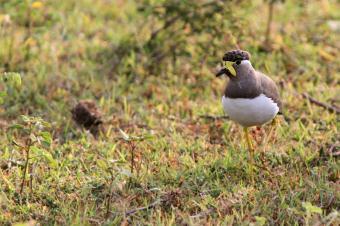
(173, 20)
(152, 205)
(212, 117)
(163, 200)
(203, 214)
(11, 163)
(166, 25)
(332, 150)
(321, 104)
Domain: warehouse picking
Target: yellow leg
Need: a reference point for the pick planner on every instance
(273, 126)
(251, 151)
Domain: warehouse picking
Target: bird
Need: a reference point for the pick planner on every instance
(250, 98)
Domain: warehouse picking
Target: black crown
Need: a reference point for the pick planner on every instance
(235, 55)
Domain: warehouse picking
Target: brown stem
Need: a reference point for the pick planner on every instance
(329, 107)
(152, 205)
(269, 21)
(31, 177)
(28, 147)
(203, 214)
(108, 204)
(132, 148)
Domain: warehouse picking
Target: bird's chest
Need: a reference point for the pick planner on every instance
(243, 89)
(250, 111)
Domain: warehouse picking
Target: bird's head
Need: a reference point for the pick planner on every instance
(236, 63)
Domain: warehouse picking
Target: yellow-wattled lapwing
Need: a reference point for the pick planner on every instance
(250, 98)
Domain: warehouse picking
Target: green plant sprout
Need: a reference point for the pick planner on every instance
(9, 81)
(31, 136)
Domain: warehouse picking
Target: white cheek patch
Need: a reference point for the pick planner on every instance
(245, 62)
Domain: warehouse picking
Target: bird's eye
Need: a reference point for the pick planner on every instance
(238, 62)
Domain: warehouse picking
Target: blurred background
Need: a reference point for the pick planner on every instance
(149, 66)
(158, 51)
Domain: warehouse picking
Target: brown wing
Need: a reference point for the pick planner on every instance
(270, 89)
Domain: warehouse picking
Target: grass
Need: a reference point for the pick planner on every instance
(188, 169)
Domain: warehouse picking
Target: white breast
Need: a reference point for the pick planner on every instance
(250, 112)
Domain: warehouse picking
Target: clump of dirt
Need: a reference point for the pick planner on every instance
(216, 132)
(172, 198)
(87, 114)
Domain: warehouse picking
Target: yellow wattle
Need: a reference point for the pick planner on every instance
(229, 66)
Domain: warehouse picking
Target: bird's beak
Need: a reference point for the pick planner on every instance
(222, 72)
(229, 65)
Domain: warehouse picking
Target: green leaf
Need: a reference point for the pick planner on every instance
(52, 162)
(3, 94)
(16, 126)
(46, 138)
(148, 137)
(26, 118)
(311, 208)
(102, 164)
(12, 79)
(45, 124)
(260, 220)
(45, 155)
(33, 137)
(35, 150)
